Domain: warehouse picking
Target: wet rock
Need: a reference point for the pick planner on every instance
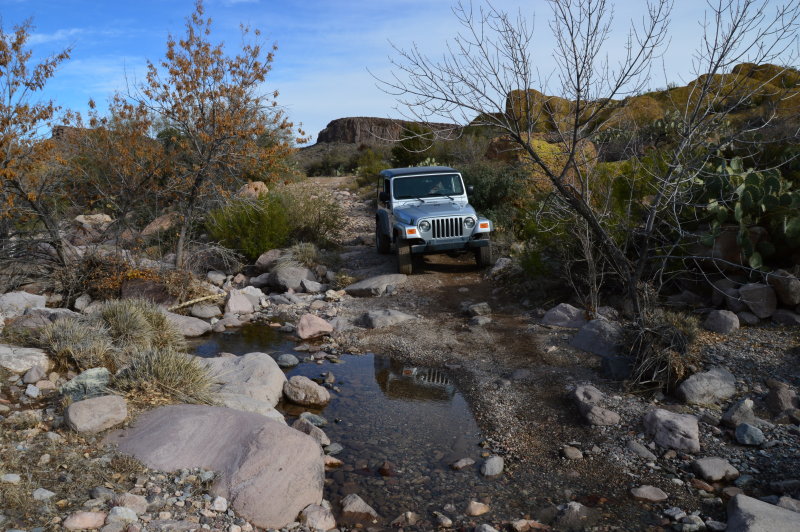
(334, 448)
(649, 494)
(740, 412)
(287, 360)
(14, 304)
(254, 375)
(311, 326)
(331, 462)
(575, 516)
(786, 317)
(708, 387)
(714, 469)
(747, 434)
(787, 287)
(315, 432)
(759, 298)
(461, 464)
(303, 391)
(317, 517)
(493, 466)
(571, 453)
(96, 414)
(314, 419)
(91, 383)
(387, 469)
(20, 360)
(565, 315)
(269, 472)
(375, 286)
(378, 319)
(355, 510)
(673, 431)
(85, 521)
(188, 325)
(475, 508)
(721, 321)
(599, 337)
(640, 450)
(746, 514)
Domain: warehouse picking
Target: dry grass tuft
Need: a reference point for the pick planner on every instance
(78, 342)
(176, 375)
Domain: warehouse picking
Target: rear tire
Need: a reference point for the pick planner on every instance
(483, 256)
(404, 263)
(381, 240)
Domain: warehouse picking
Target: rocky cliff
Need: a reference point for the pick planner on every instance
(368, 130)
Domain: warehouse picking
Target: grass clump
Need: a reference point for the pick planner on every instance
(77, 342)
(167, 372)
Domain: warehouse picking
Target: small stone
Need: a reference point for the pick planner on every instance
(317, 517)
(492, 467)
(475, 508)
(354, 508)
(137, 503)
(406, 519)
(32, 391)
(649, 494)
(747, 434)
(121, 515)
(640, 450)
(41, 494)
(714, 469)
(702, 485)
(571, 453)
(84, 521)
(461, 464)
(479, 309)
(288, 360)
(10, 478)
(442, 520)
(314, 419)
(219, 504)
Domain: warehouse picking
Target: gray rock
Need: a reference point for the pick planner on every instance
(462, 463)
(354, 509)
(734, 301)
(14, 304)
(571, 453)
(315, 432)
(565, 315)
(673, 431)
(96, 414)
(485, 528)
(649, 494)
(375, 286)
(269, 259)
(780, 397)
(640, 450)
(480, 321)
(748, 318)
(786, 317)
(599, 337)
(35, 318)
(747, 434)
(334, 448)
(287, 360)
(10, 478)
(312, 287)
(721, 321)
(303, 391)
(759, 298)
(82, 302)
(746, 514)
(260, 281)
(787, 287)
(789, 503)
(254, 375)
(91, 383)
(238, 303)
(253, 294)
(269, 472)
(575, 516)
(708, 387)
(377, 319)
(587, 398)
(311, 326)
(34, 375)
(32, 391)
(187, 325)
(714, 469)
(205, 311)
(288, 278)
(41, 494)
(121, 515)
(493, 466)
(718, 294)
(479, 309)
(137, 503)
(317, 517)
(246, 403)
(739, 412)
(314, 419)
(19, 360)
(216, 278)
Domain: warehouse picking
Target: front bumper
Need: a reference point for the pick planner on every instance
(443, 245)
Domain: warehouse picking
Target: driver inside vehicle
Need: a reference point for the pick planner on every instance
(437, 186)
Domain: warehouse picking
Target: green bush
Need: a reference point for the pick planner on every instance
(369, 165)
(414, 146)
(496, 186)
(316, 217)
(251, 226)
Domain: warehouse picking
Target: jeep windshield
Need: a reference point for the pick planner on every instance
(427, 186)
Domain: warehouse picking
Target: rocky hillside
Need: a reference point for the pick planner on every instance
(368, 130)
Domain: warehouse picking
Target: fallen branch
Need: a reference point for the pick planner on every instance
(197, 300)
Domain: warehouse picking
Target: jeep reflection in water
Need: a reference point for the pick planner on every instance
(425, 210)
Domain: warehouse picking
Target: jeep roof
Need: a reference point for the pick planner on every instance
(417, 170)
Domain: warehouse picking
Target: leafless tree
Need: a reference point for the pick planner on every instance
(487, 74)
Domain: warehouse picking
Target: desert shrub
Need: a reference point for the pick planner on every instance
(76, 341)
(370, 162)
(168, 372)
(496, 190)
(250, 226)
(414, 146)
(304, 253)
(315, 215)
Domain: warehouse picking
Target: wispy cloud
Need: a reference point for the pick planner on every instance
(58, 35)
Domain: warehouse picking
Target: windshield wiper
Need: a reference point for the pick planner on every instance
(441, 194)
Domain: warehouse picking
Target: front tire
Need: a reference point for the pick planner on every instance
(404, 263)
(483, 256)
(381, 241)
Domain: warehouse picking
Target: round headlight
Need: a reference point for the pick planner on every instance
(469, 223)
(425, 226)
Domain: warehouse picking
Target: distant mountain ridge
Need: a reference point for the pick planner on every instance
(370, 130)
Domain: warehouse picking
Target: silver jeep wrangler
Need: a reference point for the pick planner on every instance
(425, 210)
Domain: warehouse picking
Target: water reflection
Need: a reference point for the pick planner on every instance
(250, 338)
(401, 381)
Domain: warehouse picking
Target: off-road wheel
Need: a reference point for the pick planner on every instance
(483, 256)
(381, 240)
(404, 263)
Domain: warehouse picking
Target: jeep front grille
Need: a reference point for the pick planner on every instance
(448, 227)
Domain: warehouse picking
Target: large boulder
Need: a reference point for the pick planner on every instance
(673, 431)
(375, 286)
(14, 304)
(565, 315)
(288, 278)
(20, 360)
(303, 391)
(746, 514)
(599, 337)
(311, 326)
(187, 325)
(269, 472)
(721, 321)
(96, 414)
(759, 298)
(254, 375)
(787, 287)
(786, 317)
(707, 387)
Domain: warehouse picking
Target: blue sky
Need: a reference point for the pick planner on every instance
(325, 47)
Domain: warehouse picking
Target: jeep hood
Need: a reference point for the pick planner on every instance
(412, 213)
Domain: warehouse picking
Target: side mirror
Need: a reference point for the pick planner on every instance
(383, 196)
(470, 189)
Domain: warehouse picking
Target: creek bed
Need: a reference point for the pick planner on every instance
(412, 417)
